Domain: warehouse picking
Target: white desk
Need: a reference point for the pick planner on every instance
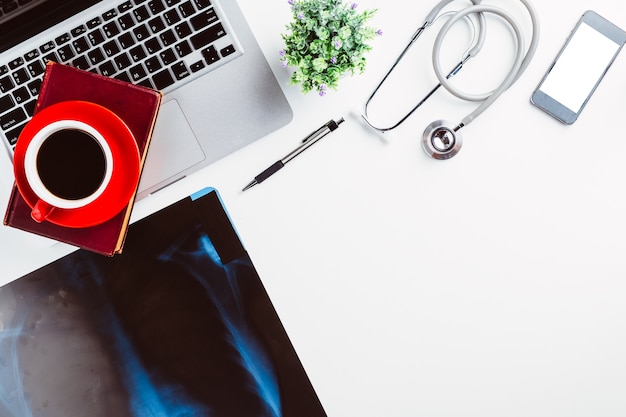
(492, 284)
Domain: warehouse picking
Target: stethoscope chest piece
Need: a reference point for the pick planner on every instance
(441, 140)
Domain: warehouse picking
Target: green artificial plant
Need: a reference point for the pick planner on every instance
(326, 39)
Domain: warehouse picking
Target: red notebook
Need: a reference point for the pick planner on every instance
(137, 106)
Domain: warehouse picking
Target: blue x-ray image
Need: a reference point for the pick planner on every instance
(179, 325)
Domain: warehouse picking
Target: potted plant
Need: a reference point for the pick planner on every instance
(326, 39)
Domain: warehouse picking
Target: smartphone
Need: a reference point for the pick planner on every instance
(579, 67)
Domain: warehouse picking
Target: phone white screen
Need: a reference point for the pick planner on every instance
(579, 67)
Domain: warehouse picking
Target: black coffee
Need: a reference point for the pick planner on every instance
(71, 164)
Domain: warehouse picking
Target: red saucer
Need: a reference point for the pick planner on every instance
(126, 166)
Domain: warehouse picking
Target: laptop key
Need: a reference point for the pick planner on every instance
(156, 25)
(66, 53)
(111, 29)
(230, 49)
(30, 55)
(111, 48)
(96, 37)
(137, 53)
(30, 107)
(6, 84)
(6, 103)
(156, 6)
(180, 70)
(81, 63)
(35, 68)
(80, 45)
(9, 7)
(4, 69)
(141, 32)
(126, 40)
(34, 87)
(15, 63)
(152, 64)
(186, 9)
(122, 61)
(60, 40)
(168, 37)
(197, 66)
(77, 31)
(14, 134)
(210, 55)
(110, 14)
(95, 56)
(168, 56)
(47, 47)
(126, 21)
(93, 23)
(127, 5)
(20, 76)
(183, 30)
(12, 118)
(171, 16)
(153, 45)
(183, 48)
(137, 73)
(202, 4)
(163, 79)
(208, 36)
(21, 95)
(203, 19)
(107, 69)
(141, 14)
(123, 76)
(52, 56)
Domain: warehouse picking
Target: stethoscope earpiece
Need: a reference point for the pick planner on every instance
(441, 140)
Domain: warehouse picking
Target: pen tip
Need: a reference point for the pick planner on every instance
(250, 185)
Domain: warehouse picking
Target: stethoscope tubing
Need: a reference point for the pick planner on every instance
(518, 66)
(486, 99)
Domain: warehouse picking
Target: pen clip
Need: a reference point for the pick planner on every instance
(330, 125)
(313, 134)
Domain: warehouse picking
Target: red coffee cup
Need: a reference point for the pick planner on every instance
(76, 164)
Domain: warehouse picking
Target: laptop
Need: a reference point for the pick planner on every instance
(219, 93)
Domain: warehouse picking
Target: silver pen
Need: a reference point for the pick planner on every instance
(307, 142)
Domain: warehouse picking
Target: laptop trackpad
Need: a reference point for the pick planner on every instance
(173, 148)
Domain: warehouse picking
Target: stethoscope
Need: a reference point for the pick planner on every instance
(442, 139)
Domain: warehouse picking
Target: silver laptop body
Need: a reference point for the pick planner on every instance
(219, 91)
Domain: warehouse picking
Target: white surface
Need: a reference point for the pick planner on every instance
(489, 285)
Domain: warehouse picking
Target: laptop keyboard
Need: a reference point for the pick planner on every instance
(158, 44)
(9, 8)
